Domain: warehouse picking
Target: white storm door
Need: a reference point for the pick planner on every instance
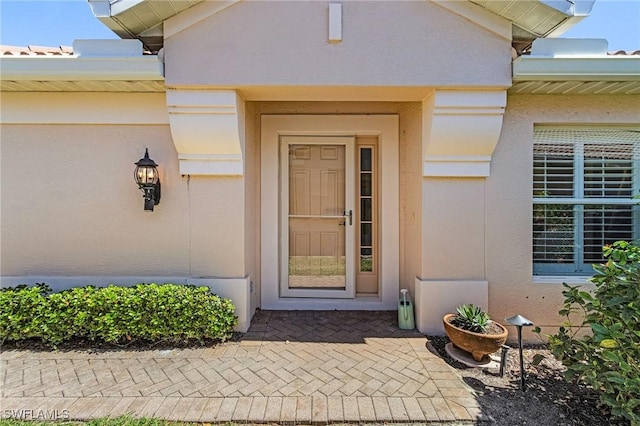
(317, 207)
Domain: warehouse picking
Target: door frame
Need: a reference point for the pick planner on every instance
(383, 126)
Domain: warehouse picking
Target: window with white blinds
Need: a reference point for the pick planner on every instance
(584, 183)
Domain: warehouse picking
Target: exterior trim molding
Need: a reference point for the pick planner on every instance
(208, 131)
(75, 68)
(609, 68)
(460, 130)
(386, 127)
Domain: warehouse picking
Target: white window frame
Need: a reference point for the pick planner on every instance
(579, 199)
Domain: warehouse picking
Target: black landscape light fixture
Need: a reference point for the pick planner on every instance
(146, 176)
(520, 321)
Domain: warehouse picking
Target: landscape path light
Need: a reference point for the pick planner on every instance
(519, 321)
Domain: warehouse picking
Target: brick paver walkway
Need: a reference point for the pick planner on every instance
(291, 366)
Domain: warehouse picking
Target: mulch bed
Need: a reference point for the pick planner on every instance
(547, 399)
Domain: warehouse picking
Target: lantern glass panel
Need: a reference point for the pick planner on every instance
(146, 175)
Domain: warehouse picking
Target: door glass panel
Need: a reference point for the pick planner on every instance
(366, 260)
(365, 184)
(366, 211)
(366, 196)
(365, 159)
(317, 220)
(366, 237)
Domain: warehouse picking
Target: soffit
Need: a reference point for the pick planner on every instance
(141, 19)
(547, 87)
(82, 86)
(533, 19)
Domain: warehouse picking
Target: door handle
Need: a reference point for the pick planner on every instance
(350, 216)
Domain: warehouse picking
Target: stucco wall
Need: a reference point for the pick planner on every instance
(453, 238)
(509, 194)
(409, 43)
(70, 206)
(410, 165)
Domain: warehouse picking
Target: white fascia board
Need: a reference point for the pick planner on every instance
(100, 8)
(81, 68)
(615, 68)
(573, 7)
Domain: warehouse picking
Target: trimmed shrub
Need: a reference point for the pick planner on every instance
(113, 314)
(608, 359)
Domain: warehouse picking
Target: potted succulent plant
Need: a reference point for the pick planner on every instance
(471, 330)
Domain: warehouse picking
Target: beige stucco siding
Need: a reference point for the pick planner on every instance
(410, 165)
(409, 43)
(70, 206)
(453, 238)
(509, 197)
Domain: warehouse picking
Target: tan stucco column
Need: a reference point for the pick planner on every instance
(207, 127)
(460, 131)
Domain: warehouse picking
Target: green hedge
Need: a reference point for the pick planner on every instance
(152, 312)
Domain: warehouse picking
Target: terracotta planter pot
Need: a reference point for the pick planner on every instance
(478, 344)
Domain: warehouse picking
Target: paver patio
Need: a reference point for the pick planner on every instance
(291, 366)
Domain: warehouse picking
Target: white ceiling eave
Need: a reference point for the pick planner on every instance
(540, 18)
(533, 19)
(542, 87)
(141, 19)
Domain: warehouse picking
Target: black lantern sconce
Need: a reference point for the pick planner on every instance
(146, 176)
(519, 321)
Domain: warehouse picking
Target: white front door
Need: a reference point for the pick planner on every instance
(317, 205)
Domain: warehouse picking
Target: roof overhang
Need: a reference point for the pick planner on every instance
(532, 19)
(575, 66)
(96, 65)
(143, 19)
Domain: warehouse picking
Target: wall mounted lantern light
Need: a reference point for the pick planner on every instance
(146, 176)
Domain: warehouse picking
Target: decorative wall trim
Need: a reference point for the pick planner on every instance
(208, 131)
(460, 130)
(335, 22)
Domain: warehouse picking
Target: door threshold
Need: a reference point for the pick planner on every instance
(364, 303)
